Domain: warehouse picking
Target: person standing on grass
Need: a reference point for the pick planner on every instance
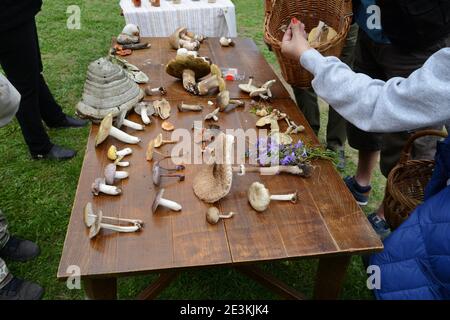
(415, 261)
(13, 248)
(306, 100)
(20, 59)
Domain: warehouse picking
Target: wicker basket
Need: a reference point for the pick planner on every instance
(335, 13)
(406, 182)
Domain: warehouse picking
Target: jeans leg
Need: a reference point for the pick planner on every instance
(19, 58)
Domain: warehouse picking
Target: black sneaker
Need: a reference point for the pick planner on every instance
(70, 122)
(18, 289)
(359, 192)
(379, 225)
(19, 250)
(56, 153)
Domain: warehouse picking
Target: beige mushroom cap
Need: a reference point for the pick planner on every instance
(200, 66)
(258, 196)
(213, 182)
(213, 215)
(103, 131)
(174, 39)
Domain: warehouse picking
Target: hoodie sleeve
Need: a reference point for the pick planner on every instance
(399, 104)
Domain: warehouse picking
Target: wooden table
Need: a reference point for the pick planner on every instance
(326, 223)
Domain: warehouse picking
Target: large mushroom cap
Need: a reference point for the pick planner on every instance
(213, 182)
(200, 66)
(213, 215)
(89, 216)
(174, 39)
(108, 89)
(103, 130)
(110, 172)
(95, 228)
(258, 196)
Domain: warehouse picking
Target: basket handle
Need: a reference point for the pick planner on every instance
(269, 6)
(406, 152)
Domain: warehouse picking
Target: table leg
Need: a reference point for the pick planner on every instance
(330, 277)
(100, 289)
(271, 282)
(156, 287)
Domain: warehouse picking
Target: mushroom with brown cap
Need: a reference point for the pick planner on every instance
(177, 40)
(160, 201)
(189, 69)
(100, 186)
(90, 216)
(114, 154)
(97, 225)
(195, 36)
(213, 215)
(162, 108)
(213, 182)
(260, 197)
(107, 129)
(213, 82)
(111, 174)
(167, 126)
(145, 110)
(159, 141)
(122, 121)
(189, 107)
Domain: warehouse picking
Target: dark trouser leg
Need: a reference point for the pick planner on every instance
(51, 112)
(306, 100)
(5, 276)
(336, 128)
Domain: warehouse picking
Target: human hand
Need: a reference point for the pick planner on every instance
(295, 42)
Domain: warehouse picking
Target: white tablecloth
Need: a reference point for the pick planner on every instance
(209, 19)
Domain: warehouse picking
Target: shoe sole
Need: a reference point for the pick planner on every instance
(362, 203)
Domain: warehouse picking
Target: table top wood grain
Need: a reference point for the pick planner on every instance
(325, 221)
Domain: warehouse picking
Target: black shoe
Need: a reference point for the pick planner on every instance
(379, 225)
(56, 153)
(18, 289)
(70, 122)
(360, 193)
(19, 250)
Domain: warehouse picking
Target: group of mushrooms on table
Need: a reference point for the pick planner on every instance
(111, 91)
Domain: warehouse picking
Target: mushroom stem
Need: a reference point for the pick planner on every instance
(169, 175)
(226, 216)
(111, 190)
(144, 116)
(120, 228)
(189, 107)
(123, 164)
(284, 197)
(172, 205)
(124, 152)
(189, 81)
(123, 136)
(121, 175)
(133, 125)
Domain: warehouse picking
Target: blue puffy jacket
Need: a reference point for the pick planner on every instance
(415, 263)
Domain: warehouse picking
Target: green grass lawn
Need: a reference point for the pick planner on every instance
(37, 196)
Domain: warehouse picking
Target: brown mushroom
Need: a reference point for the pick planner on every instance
(159, 141)
(178, 40)
(213, 215)
(167, 126)
(162, 108)
(189, 69)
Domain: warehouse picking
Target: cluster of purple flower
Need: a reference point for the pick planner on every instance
(270, 152)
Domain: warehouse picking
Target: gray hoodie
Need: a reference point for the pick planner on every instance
(399, 104)
(9, 101)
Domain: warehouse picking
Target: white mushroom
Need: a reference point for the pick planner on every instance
(90, 216)
(100, 186)
(145, 110)
(213, 115)
(121, 120)
(160, 201)
(155, 91)
(259, 197)
(111, 174)
(226, 42)
(248, 87)
(97, 225)
(213, 215)
(107, 129)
